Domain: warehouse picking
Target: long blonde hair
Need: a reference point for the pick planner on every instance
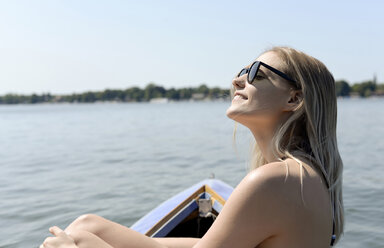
(310, 132)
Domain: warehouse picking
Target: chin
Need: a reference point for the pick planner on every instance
(230, 112)
(246, 117)
(235, 113)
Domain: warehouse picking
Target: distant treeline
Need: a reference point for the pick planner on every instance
(151, 91)
(133, 94)
(363, 89)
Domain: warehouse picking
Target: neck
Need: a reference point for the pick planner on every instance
(263, 136)
(264, 141)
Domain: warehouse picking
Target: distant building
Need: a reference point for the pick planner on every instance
(198, 96)
(159, 100)
(57, 99)
(354, 95)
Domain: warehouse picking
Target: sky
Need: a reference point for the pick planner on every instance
(67, 46)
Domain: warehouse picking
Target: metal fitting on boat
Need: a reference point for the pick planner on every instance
(205, 208)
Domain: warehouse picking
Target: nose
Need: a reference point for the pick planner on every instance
(239, 82)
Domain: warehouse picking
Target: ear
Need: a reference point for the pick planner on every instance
(294, 100)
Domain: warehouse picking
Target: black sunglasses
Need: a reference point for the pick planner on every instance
(254, 69)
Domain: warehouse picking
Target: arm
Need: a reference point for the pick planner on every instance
(177, 242)
(61, 239)
(253, 213)
(84, 239)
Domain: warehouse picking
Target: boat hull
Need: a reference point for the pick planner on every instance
(184, 214)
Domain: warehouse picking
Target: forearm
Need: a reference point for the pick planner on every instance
(112, 233)
(177, 242)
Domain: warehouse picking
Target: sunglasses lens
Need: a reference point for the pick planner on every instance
(252, 72)
(242, 72)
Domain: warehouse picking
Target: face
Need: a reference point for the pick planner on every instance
(265, 100)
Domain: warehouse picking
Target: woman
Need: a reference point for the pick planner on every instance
(293, 195)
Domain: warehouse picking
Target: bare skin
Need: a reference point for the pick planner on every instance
(267, 209)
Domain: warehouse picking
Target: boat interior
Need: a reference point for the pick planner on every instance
(192, 217)
(194, 226)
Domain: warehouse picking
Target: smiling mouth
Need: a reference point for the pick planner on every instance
(238, 96)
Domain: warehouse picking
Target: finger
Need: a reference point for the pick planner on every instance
(56, 231)
(47, 241)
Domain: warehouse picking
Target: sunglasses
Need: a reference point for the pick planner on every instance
(254, 69)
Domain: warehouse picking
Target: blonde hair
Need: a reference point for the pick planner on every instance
(310, 132)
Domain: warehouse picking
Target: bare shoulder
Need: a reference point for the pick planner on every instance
(265, 180)
(287, 174)
(269, 173)
(268, 206)
(296, 183)
(254, 212)
(278, 178)
(297, 196)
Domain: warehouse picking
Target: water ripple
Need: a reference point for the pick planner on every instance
(122, 160)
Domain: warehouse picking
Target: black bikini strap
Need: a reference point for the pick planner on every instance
(333, 224)
(333, 233)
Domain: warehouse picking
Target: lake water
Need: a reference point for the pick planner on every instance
(121, 160)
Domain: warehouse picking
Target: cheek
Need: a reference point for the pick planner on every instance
(268, 99)
(262, 106)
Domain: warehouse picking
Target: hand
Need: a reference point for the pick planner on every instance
(61, 239)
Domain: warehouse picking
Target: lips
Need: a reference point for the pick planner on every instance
(240, 96)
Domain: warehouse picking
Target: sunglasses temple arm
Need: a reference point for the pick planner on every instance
(278, 73)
